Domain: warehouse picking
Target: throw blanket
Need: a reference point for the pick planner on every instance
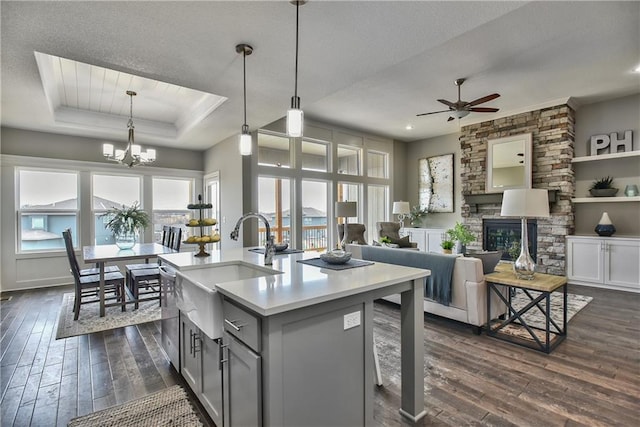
(437, 286)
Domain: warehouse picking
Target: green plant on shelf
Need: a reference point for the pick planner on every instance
(602, 183)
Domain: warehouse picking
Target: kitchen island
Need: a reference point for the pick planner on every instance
(295, 341)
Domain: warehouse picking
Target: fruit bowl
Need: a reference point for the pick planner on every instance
(336, 257)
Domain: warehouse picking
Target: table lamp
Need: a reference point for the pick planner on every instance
(525, 203)
(402, 210)
(345, 210)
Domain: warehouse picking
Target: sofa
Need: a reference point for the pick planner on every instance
(468, 303)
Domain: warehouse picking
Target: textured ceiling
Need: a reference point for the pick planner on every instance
(365, 65)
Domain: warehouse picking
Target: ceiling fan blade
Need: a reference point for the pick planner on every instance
(447, 103)
(484, 109)
(483, 99)
(433, 112)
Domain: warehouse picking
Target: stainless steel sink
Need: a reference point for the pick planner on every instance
(196, 295)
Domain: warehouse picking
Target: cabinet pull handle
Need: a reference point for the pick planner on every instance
(190, 341)
(232, 324)
(222, 360)
(196, 340)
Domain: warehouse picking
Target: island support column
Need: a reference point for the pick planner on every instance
(412, 352)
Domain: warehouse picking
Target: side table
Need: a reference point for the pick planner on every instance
(538, 339)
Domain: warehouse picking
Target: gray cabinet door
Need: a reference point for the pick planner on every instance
(211, 395)
(190, 353)
(242, 385)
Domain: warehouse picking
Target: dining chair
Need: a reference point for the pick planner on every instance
(89, 285)
(166, 241)
(71, 253)
(144, 279)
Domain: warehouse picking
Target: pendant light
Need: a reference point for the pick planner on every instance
(295, 115)
(245, 136)
(133, 154)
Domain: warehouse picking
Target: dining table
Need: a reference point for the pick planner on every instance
(103, 254)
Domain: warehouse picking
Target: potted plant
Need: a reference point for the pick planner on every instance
(125, 223)
(447, 246)
(416, 215)
(462, 236)
(603, 187)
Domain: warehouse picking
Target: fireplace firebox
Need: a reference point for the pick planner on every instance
(499, 234)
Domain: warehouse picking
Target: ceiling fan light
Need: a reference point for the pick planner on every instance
(295, 122)
(458, 114)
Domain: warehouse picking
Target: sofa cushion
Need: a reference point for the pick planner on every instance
(489, 259)
(402, 242)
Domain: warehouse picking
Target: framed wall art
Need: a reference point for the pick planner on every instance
(435, 189)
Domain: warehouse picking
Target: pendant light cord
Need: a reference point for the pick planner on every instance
(295, 92)
(244, 74)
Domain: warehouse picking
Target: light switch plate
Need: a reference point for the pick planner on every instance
(351, 320)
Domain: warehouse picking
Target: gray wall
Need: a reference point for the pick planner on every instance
(225, 158)
(55, 146)
(616, 115)
(417, 150)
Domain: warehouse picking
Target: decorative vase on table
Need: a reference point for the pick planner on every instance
(125, 240)
(605, 227)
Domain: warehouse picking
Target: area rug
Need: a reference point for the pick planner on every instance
(535, 318)
(170, 407)
(90, 321)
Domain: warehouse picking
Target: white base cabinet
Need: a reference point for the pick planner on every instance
(428, 239)
(611, 262)
(201, 367)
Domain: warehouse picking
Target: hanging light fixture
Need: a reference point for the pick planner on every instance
(245, 136)
(133, 154)
(295, 116)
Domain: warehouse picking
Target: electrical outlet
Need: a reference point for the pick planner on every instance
(351, 320)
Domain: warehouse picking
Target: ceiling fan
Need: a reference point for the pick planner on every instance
(460, 109)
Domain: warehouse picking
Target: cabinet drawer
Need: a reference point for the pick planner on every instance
(242, 324)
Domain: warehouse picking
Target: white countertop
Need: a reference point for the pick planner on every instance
(299, 285)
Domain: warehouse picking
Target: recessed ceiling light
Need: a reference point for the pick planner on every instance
(637, 69)
(409, 127)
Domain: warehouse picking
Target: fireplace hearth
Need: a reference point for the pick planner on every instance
(498, 234)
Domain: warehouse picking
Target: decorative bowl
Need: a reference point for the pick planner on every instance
(281, 247)
(336, 257)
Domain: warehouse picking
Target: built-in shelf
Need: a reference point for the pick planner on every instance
(605, 199)
(606, 156)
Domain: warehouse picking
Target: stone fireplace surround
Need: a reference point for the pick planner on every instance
(553, 137)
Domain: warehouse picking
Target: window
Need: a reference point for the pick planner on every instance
(274, 150)
(170, 199)
(378, 201)
(348, 160)
(48, 204)
(314, 156)
(274, 202)
(377, 164)
(112, 191)
(314, 215)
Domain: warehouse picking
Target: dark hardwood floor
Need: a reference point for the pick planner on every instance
(591, 379)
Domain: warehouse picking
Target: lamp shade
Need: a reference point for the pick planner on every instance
(346, 209)
(245, 144)
(525, 203)
(400, 208)
(295, 120)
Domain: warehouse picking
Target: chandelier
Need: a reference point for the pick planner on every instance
(133, 154)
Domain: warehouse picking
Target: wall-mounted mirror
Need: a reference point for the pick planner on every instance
(509, 163)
